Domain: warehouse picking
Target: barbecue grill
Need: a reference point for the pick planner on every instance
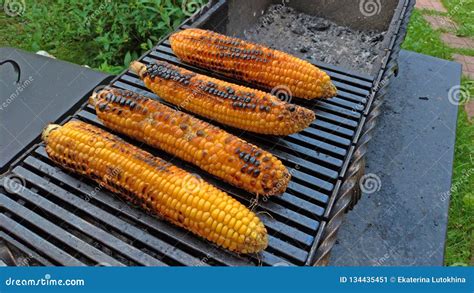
(58, 218)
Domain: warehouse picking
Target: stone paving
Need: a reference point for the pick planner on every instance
(457, 42)
(449, 28)
(430, 5)
(469, 107)
(467, 64)
(441, 22)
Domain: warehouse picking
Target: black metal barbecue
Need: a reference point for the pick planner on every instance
(58, 218)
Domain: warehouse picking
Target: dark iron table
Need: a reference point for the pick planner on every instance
(402, 217)
(39, 91)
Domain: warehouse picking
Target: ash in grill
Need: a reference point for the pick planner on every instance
(314, 38)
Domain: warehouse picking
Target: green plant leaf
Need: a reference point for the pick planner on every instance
(127, 59)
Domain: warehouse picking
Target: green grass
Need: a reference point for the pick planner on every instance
(103, 34)
(461, 213)
(423, 39)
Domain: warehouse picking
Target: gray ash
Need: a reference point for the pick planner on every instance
(315, 38)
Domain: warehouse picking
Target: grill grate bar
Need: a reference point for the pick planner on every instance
(55, 254)
(61, 235)
(326, 136)
(28, 254)
(72, 219)
(334, 129)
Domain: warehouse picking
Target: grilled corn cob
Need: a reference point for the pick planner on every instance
(155, 184)
(227, 103)
(212, 149)
(253, 63)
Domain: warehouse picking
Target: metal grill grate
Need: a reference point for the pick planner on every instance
(62, 219)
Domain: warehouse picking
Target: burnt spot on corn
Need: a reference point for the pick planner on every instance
(200, 132)
(251, 163)
(117, 100)
(166, 71)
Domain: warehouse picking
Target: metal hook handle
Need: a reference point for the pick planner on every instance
(16, 67)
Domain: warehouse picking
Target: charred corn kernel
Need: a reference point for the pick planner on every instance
(154, 192)
(202, 144)
(253, 63)
(227, 103)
